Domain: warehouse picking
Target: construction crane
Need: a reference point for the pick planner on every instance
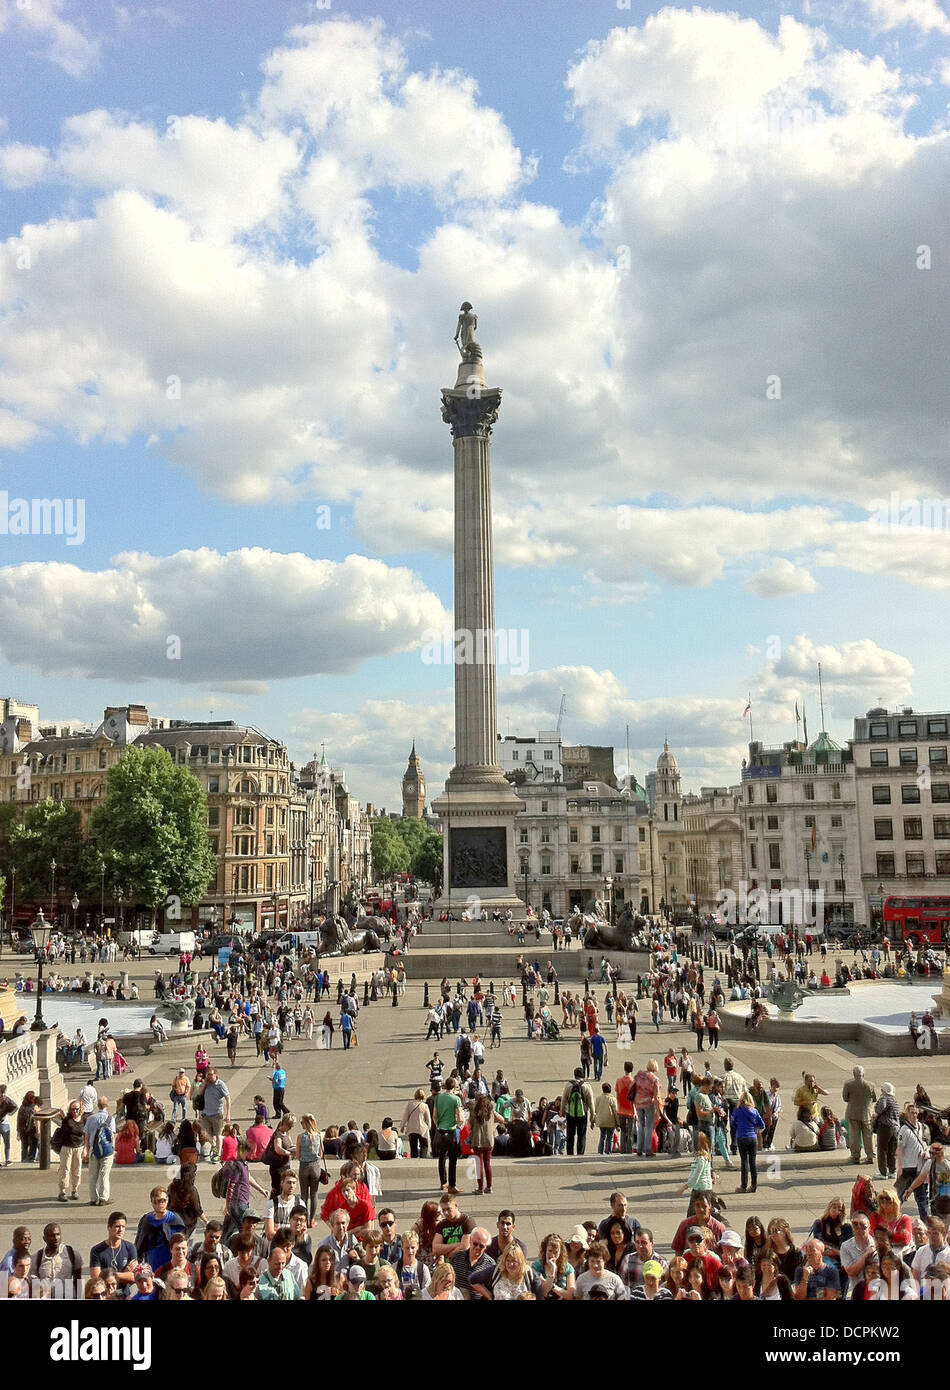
(560, 713)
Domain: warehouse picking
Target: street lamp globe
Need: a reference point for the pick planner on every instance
(74, 902)
(42, 930)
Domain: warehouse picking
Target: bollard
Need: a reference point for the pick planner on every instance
(425, 996)
(557, 992)
(365, 992)
(44, 1149)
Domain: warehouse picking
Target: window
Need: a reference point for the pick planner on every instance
(544, 806)
(77, 764)
(752, 822)
(514, 755)
(595, 834)
(908, 757)
(938, 757)
(910, 794)
(943, 864)
(244, 786)
(269, 876)
(244, 815)
(881, 796)
(936, 726)
(809, 822)
(772, 822)
(940, 791)
(750, 794)
(269, 841)
(643, 863)
(213, 815)
(213, 843)
(883, 830)
(878, 729)
(545, 835)
(914, 864)
(752, 857)
(775, 855)
(879, 757)
(246, 755)
(808, 791)
(522, 836)
(836, 822)
(839, 885)
(215, 755)
(102, 757)
(549, 755)
(545, 866)
(213, 783)
(641, 834)
(575, 866)
(572, 835)
(836, 791)
(269, 818)
(771, 794)
(596, 863)
(885, 866)
(270, 784)
(618, 864)
(618, 834)
(907, 728)
(942, 827)
(914, 828)
(77, 789)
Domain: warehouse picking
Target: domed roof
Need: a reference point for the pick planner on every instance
(666, 762)
(824, 743)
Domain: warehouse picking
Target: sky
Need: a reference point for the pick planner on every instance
(708, 251)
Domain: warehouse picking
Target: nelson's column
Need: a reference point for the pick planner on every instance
(478, 806)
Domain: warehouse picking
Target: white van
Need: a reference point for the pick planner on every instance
(171, 942)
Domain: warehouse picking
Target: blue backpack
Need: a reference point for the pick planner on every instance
(102, 1145)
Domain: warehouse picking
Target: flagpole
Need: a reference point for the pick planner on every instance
(821, 697)
(751, 730)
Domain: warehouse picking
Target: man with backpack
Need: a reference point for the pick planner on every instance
(577, 1104)
(99, 1152)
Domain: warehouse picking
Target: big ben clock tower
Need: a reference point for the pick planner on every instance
(413, 789)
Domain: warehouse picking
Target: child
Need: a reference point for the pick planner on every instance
(260, 1111)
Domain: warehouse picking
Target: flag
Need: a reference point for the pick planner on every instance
(814, 839)
(798, 718)
(747, 710)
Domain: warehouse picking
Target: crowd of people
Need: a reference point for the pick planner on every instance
(252, 1211)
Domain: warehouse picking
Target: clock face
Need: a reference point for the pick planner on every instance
(410, 787)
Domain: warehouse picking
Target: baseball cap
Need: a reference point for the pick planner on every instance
(579, 1236)
(144, 1272)
(252, 1216)
(731, 1238)
(696, 1231)
(653, 1268)
(356, 1274)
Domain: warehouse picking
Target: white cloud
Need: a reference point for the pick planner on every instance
(65, 44)
(21, 166)
(926, 15)
(781, 579)
(161, 617)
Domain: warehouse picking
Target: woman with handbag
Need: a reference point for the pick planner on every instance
(72, 1137)
(416, 1123)
(308, 1152)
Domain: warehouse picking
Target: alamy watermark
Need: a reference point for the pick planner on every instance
(43, 516)
(477, 647)
(898, 512)
(760, 906)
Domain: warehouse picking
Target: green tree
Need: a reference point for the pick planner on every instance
(412, 832)
(427, 859)
(152, 829)
(389, 850)
(49, 830)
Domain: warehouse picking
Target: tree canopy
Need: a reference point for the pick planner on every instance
(151, 828)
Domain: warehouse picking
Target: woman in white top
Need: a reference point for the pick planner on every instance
(415, 1124)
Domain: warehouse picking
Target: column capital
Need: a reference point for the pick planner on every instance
(472, 411)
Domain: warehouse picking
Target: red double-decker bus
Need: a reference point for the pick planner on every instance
(918, 921)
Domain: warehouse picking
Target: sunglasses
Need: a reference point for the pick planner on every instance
(387, 1223)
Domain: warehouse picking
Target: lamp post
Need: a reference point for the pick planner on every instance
(74, 904)
(42, 930)
(608, 895)
(52, 891)
(102, 894)
(118, 898)
(880, 893)
(524, 870)
(12, 904)
(665, 908)
(841, 867)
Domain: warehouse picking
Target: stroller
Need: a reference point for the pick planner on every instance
(554, 1031)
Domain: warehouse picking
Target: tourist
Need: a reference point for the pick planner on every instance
(746, 1124)
(71, 1136)
(448, 1118)
(701, 1175)
(577, 1105)
(598, 1278)
(887, 1122)
(416, 1124)
(606, 1118)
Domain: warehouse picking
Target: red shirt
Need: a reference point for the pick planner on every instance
(622, 1091)
(361, 1214)
(901, 1230)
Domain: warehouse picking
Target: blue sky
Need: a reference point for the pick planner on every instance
(708, 250)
